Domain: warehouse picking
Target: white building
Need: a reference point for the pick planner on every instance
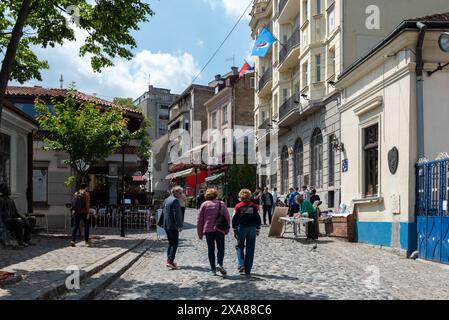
(380, 131)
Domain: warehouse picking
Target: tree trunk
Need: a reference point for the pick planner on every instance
(10, 55)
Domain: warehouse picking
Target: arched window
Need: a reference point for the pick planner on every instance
(316, 158)
(298, 163)
(284, 170)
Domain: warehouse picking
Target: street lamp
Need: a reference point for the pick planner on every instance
(444, 42)
(122, 218)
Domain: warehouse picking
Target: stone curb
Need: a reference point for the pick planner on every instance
(59, 289)
(98, 285)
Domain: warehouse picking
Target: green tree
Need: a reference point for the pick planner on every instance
(84, 131)
(126, 103)
(240, 176)
(27, 24)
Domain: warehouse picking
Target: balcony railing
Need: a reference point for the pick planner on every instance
(266, 125)
(288, 106)
(266, 77)
(282, 5)
(292, 43)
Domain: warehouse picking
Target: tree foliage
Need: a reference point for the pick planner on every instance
(125, 102)
(82, 130)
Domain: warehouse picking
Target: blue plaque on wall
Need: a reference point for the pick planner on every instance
(345, 165)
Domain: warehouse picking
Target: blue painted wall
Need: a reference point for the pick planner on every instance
(380, 233)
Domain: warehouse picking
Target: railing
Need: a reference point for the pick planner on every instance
(265, 125)
(292, 43)
(288, 106)
(137, 218)
(282, 5)
(266, 77)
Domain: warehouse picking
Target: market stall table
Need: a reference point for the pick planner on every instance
(295, 222)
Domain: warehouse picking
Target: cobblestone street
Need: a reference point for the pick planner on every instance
(283, 269)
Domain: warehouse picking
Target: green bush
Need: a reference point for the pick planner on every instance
(191, 202)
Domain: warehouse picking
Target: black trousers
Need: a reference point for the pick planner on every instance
(269, 210)
(215, 238)
(312, 229)
(20, 228)
(78, 218)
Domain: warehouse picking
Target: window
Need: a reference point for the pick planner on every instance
(318, 67)
(331, 61)
(187, 126)
(318, 6)
(371, 160)
(331, 18)
(40, 186)
(5, 159)
(284, 170)
(331, 199)
(305, 9)
(163, 127)
(225, 114)
(316, 159)
(305, 74)
(214, 120)
(298, 163)
(331, 161)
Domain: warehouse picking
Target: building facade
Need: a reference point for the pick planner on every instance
(49, 170)
(186, 126)
(296, 102)
(16, 155)
(230, 118)
(155, 105)
(380, 131)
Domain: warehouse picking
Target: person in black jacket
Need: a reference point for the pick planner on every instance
(200, 199)
(267, 204)
(246, 223)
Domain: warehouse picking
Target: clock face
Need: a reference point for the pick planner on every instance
(444, 42)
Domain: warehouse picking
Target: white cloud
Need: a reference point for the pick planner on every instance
(125, 79)
(233, 8)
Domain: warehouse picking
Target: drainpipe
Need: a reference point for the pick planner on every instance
(420, 89)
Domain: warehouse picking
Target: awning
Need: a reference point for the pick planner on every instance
(170, 176)
(199, 148)
(184, 173)
(215, 177)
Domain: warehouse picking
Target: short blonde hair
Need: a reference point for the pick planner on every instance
(211, 194)
(245, 194)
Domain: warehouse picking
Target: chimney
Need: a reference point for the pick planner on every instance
(235, 71)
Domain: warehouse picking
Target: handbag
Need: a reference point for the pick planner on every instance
(222, 223)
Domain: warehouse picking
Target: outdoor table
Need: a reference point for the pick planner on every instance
(295, 222)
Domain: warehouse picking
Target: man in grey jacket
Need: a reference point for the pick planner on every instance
(173, 223)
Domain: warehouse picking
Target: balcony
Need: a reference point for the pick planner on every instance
(289, 106)
(282, 5)
(266, 125)
(292, 112)
(261, 10)
(289, 52)
(265, 82)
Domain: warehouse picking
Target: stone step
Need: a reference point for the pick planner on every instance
(59, 289)
(95, 284)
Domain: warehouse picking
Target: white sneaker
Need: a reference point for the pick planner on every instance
(221, 270)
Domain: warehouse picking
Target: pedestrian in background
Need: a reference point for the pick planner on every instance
(306, 193)
(172, 222)
(256, 197)
(183, 203)
(267, 204)
(246, 223)
(81, 212)
(293, 206)
(210, 220)
(200, 199)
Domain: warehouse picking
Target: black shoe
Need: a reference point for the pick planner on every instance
(242, 271)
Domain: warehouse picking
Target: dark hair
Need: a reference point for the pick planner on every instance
(4, 189)
(313, 191)
(83, 185)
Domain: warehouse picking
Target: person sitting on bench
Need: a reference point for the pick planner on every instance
(16, 223)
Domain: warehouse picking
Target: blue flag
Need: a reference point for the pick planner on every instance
(263, 43)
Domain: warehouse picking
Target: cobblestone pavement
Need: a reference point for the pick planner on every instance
(45, 264)
(283, 269)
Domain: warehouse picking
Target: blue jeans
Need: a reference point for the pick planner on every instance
(212, 238)
(246, 237)
(173, 242)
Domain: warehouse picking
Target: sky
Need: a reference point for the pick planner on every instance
(172, 48)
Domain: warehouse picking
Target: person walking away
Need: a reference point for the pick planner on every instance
(200, 199)
(246, 224)
(293, 206)
(81, 212)
(307, 207)
(267, 203)
(210, 217)
(172, 224)
(257, 196)
(12, 220)
(274, 193)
